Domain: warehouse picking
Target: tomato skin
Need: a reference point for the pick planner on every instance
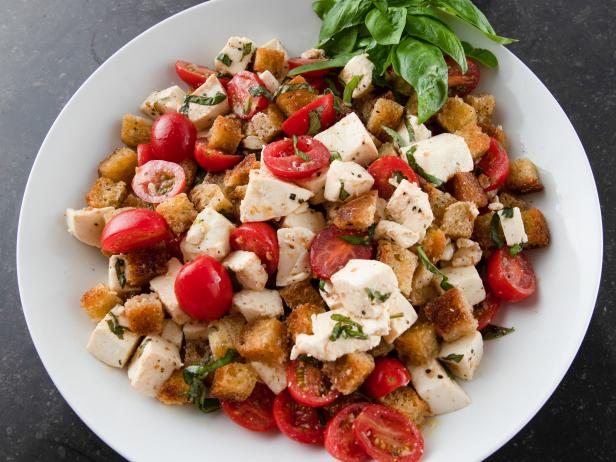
(158, 173)
(388, 436)
(486, 310)
(213, 160)
(243, 103)
(255, 413)
(495, 164)
(339, 438)
(299, 423)
(388, 375)
(281, 160)
(297, 62)
(329, 253)
(299, 122)
(203, 289)
(383, 169)
(134, 229)
(144, 154)
(462, 84)
(173, 137)
(259, 238)
(307, 385)
(511, 278)
(194, 75)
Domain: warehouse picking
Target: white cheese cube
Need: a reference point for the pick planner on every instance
(274, 376)
(208, 235)
(116, 277)
(202, 115)
(395, 232)
(329, 296)
(87, 224)
(420, 131)
(162, 102)
(463, 356)
(361, 66)
(402, 316)
(294, 259)
(172, 332)
(195, 330)
(371, 326)
(346, 180)
(410, 207)
(433, 385)
(351, 140)
(442, 156)
(257, 304)
(513, 227)
(465, 278)
(153, 364)
(308, 218)
(316, 185)
(235, 55)
(114, 349)
(449, 251)
(247, 268)
(164, 286)
(271, 82)
(313, 53)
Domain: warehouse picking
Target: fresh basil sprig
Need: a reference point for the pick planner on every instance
(292, 87)
(445, 284)
(260, 91)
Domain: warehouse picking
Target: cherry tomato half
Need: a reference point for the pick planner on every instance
(243, 96)
(329, 253)
(213, 160)
(259, 238)
(173, 137)
(194, 75)
(282, 160)
(308, 386)
(388, 375)
(388, 436)
(462, 84)
(144, 154)
(339, 438)
(158, 180)
(298, 422)
(511, 278)
(312, 118)
(388, 169)
(203, 289)
(486, 310)
(331, 410)
(134, 229)
(495, 165)
(297, 62)
(255, 413)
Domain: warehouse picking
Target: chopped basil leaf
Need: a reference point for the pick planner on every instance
(409, 129)
(115, 327)
(350, 87)
(335, 156)
(224, 75)
(491, 332)
(315, 121)
(395, 136)
(246, 49)
(119, 269)
(447, 371)
(322, 285)
(445, 284)
(224, 58)
(454, 357)
(260, 91)
(302, 155)
(507, 212)
(293, 87)
(375, 295)
(343, 194)
(398, 176)
(494, 231)
(201, 100)
(247, 105)
(345, 327)
(410, 158)
(331, 87)
(516, 249)
(310, 360)
(396, 316)
(360, 240)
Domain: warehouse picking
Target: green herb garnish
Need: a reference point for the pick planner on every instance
(339, 61)
(395, 136)
(409, 129)
(360, 240)
(410, 158)
(516, 249)
(491, 332)
(247, 105)
(335, 155)
(224, 75)
(494, 231)
(224, 58)
(375, 295)
(201, 100)
(315, 121)
(322, 285)
(345, 327)
(507, 212)
(481, 55)
(287, 87)
(398, 176)
(350, 87)
(302, 155)
(396, 316)
(343, 194)
(445, 284)
(115, 327)
(246, 49)
(456, 358)
(120, 272)
(260, 91)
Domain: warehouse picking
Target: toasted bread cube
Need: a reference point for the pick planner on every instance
(132, 201)
(456, 114)
(226, 134)
(495, 131)
(484, 105)
(224, 334)
(190, 168)
(197, 352)
(523, 177)
(349, 372)
(299, 321)
(106, 193)
(111, 341)
(358, 213)
(234, 381)
(269, 60)
(481, 231)
(536, 228)
(135, 130)
(291, 101)
(119, 165)
(402, 261)
(423, 290)
(419, 344)
(385, 113)
(214, 178)
(478, 142)
(468, 253)
(264, 340)
(299, 293)
(174, 391)
(439, 200)
(143, 265)
(452, 315)
(98, 301)
(434, 243)
(510, 200)
(267, 125)
(179, 212)
(238, 175)
(466, 188)
(382, 349)
(407, 402)
(144, 314)
(210, 195)
(459, 219)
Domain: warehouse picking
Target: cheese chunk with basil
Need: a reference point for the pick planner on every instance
(235, 55)
(463, 356)
(156, 359)
(350, 139)
(359, 68)
(208, 235)
(294, 260)
(418, 131)
(273, 375)
(214, 103)
(513, 226)
(164, 286)
(346, 180)
(86, 225)
(401, 315)
(396, 233)
(247, 269)
(163, 101)
(410, 207)
(257, 304)
(465, 278)
(111, 341)
(116, 279)
(305, 218)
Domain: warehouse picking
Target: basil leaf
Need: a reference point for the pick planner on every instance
(456, 358)
(341, 15)
(398, 176)
(380, 4)
(422, 65)
(321, 7)
(115, 327)
(410, 158)
(350, 87)
(445, 284)
(287, 87)
(338, 61)
(386, 27)
(376, 295)
(302, 155)
(224, 58)
(335, 155)
(490, 332)
(409, 128)
(246, 49)
(347, 328)
(315, 121)
(516, 249)
(343, 194)
(481, 55)
(396, 316)
(322, 285)
(260, 91)
(201, 100)
(395, 136)
(342, 43)
(507, 212)
(331, 87)
(494, 231)
(360, 240)
(381, 57)
(120, 273)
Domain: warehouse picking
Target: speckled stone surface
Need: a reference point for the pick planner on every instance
(48, 48)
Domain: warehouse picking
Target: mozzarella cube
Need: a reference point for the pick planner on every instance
(271, 82)
(235, 55)
(273, 375)
(257, 304)
(362, 67)
(513, 227)
(294, 261)
(351, 140)
(395, 232)
(195, 330)
(164, 286)
(247, 268)
(410, 207)
(420, 131)
(86, 225)
(433, 385)
(465, 278)
(208, 235)
(442, 156)
(162, 102)
(116, 276)
(463, 356)
(202, 115)
(153, 364)
(316, 185)
(401, 314)
(372, 326)
(307, 218)
(172, 332)
(114, 349)
(346, 180)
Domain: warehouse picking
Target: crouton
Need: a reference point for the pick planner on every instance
(266, 125)
(132, 201)
(106, 193)
(423, 290)
(385, 113)
(466, 188)
(238, 175)
(299, 322)
(264, 340)
(135, 130)
(196, 352)
(365, 104)
(476, 140)
(459, 219)
(190, 168)
(226, 134)
(419, 344)
(382, 349)
(407, 402)
(358, 213)
(495, 131)
(210, 195)
(523, 177)
(509, 200)
(234, 381)
(142, 265)
(145, 314)
(482, 229)
(179, 212)
(484, 105)
(439, 200)
(299, 293)
(299, 93)
(174, 391)
(267, 59)
(434, 243)
(224, 334)
(451, 315)
(456, 114)
(214, 178)
(388, 149)
(349, 372)
(119, 165)
(536, 228)
(98, 301)
(402, 261)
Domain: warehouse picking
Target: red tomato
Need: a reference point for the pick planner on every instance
(194, 75)
(173, 247)
(158, 180)
(486, 310)
(308, 386)
(387, 168)
(144, 154)
(213, 160)
(495, 164)
(173, 137)
(299, 122)
(388, 375)
(300, 423)
(462, 84)
(134, 229)
(255, 413)
(203, 289)
(297, 62)
(339, 438)
(281, 159)
(388, 436)
(244, 102)
(511, 278)
(259, 238)
(329, 253)
(318, 83)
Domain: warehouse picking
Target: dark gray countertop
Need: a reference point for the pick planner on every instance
(49, 48)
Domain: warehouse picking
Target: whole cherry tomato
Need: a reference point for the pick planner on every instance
(388, 375)
(173, 137)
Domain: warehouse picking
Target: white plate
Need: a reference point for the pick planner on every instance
(518, 373)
